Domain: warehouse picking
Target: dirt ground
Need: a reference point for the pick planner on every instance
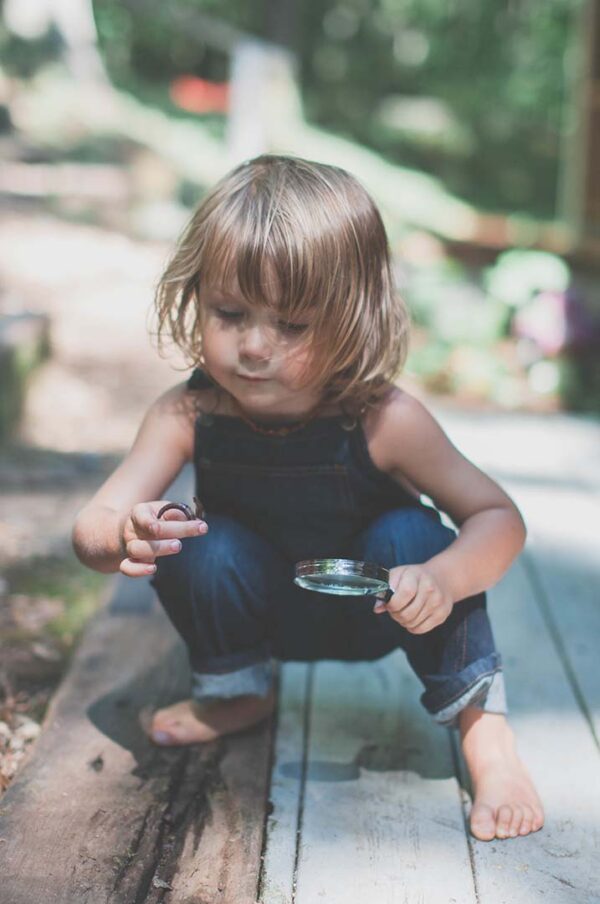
(83, 407)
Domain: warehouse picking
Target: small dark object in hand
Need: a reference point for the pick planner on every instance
(182, 507)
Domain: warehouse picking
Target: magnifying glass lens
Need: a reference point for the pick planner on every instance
(342, 585)
(342, 577)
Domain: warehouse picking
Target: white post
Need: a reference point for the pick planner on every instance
(264, 100)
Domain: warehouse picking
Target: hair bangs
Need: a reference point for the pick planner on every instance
(253, 250)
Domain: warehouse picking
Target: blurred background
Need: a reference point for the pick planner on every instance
(476, 127)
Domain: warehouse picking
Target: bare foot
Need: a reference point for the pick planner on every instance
(506, 803)
(191, 722)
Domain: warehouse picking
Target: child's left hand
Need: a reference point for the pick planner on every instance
(420, 603)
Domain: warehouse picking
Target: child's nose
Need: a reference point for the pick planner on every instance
(255, 343)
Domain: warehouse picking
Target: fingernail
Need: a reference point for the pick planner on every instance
(202, 527)
(161, 737)
(176, 545)
(151, 569)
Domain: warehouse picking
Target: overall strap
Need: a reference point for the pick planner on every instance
(199, 380)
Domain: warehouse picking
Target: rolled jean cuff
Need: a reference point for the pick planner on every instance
(256, 678)
(487, 694)
(446, 696)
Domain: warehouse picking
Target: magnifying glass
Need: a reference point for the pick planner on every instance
(344, 577)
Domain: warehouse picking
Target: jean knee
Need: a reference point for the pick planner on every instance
(404, 536)
(228, 562)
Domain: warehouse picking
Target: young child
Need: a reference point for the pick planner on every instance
(281, 296)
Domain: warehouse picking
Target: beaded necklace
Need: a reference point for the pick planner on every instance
(277, 431)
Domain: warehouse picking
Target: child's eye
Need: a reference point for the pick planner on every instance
(228, 314)
(295, 329)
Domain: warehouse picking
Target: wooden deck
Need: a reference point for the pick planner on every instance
(365, 801)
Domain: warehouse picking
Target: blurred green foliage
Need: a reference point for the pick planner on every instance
(495, 71)
(471, 338)
(496, 67)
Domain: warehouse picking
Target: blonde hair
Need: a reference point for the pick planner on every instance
(300, 237)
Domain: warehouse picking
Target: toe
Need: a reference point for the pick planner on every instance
(527, 822)
(516, 820)
(483, 822)
(503, 821)
(538, 819)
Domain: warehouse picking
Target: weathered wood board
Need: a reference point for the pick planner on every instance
(377, 815)
(382, 819)
(99, 814)
(287, 784)
(563, 565)
(546, 617)
(559, 864)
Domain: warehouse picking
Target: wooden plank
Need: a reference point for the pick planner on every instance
(551, 467)
(381, 818)
(563, 565)
(99, 814)
(528, 450)
(545, 615)
(560, 863)
(285, 796)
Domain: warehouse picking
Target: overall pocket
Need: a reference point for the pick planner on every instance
(301, 508)
(282, 491)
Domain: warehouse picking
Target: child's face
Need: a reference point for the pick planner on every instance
(255, 355)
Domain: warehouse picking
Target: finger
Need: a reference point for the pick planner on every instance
(135, 569)
(412, 614)
(409, 614)
(174, 525)
(425, 626)
(174, 528)
(144, 520)
(404, 593)
(419, 610)
(394, 606)
(146, 524)
(147, 551)
(174, 515)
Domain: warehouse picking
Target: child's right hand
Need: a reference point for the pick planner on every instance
(144, 537)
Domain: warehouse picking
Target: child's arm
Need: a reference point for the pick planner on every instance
(118, 529)
(409, 444)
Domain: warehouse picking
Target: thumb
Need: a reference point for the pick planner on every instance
(396, 575)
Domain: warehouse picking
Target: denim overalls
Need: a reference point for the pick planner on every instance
(314, 493)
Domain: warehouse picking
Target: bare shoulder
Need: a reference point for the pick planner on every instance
(176, 411)
(164, 444)
(406, 441)
(399, 421)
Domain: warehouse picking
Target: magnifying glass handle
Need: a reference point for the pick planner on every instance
(385, 595)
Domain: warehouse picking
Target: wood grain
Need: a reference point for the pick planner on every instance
(99, 814)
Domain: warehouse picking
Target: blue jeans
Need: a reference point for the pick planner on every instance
(230, 595)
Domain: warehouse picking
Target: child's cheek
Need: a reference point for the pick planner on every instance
(295, 366)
